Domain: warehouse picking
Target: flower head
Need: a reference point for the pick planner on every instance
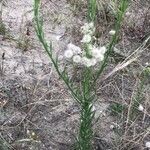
(140, 108)
(96, 53)
(147, 144)
(74, 48)
(93, 61)
(92, 107)
(86, 61)
(88, 28)
(86, 38)
(68, 53)
(103, 49)
(91, 25)
(112, 126)
(77, 59)
(112, 32)
(85, 28)
(58, 37)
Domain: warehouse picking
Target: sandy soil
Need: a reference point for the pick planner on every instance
(35, 102)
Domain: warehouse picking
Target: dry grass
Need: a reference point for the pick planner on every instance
(34, 100)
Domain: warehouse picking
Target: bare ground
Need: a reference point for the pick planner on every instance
(36, 110)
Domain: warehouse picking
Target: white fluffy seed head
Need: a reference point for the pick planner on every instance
(93, 108)
(140, 108)
(58, 37)
(112, 126)
(146, 63)
(60, 57)
(91, 25)
(77, 59)
(88, 28)
(86, 61)
(112, 32)
(103, 49)
(100, 57)
(86, 38)
(68, 53)
(147, 144)
(74, 48)
(85, 28)
(96, 53)
(93, 61)
(128, 14)
(28, 131)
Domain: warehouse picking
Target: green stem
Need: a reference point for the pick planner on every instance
(85, 133)
(86, 117)
(91, 10)
(48, 49)
(120, 14)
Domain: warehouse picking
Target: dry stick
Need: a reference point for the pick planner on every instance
(139, 137)
(129, 109)
(128, 60)
(146, 134)
(128, 113)
(133, 140)
(26, 115)
(6, 143)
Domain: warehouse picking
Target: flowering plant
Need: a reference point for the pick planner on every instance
(93, 60)
(90, 55)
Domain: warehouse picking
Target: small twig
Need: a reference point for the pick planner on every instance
(130, 59)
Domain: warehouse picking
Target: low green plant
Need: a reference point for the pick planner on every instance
(130, 127)
(3, 29)
(3, 145)
(139, 96)
(92, 59)
(23, 43)
(76, 5)
(117, 109)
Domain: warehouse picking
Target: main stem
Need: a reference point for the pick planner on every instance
(85, 133)
(86, 116)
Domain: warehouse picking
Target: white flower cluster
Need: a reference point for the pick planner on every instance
(72, 50)
(112, 32)
(147, 144)
(94, 54)
(88, 30)
(140, 107)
